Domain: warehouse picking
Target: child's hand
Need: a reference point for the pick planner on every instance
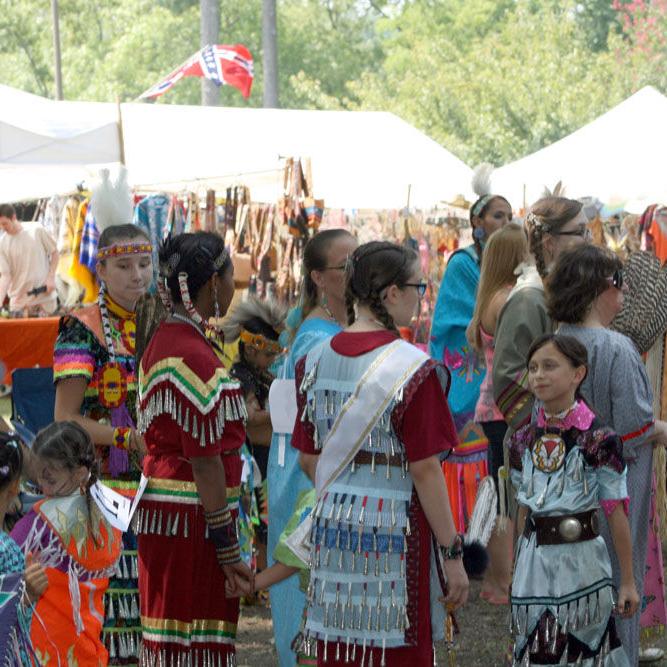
(36, 580)
(628, 600)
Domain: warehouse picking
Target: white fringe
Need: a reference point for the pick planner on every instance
(483, 517)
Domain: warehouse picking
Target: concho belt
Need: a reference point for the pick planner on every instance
(563, 529)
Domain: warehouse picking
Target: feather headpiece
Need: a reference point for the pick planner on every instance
(267, 310)
(111, 202)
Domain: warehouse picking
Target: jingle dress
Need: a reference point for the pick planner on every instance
(81, 351)
(561, 594)
(189, 408)
(80, 551)
(286, 481)
(379, 596)
(466, 465)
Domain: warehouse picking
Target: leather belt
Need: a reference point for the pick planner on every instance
(563, 529)
(366, 458)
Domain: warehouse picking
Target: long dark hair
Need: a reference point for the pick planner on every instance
(194, 254)
(372, 268)
(480, 214)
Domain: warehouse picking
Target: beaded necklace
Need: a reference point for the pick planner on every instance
(112, 377)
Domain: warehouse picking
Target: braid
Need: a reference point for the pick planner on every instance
(378, 309)
(350, 300)
(536, 239)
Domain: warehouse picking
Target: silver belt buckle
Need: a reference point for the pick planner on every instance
(570, 529)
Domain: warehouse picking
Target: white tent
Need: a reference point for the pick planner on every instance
(359, 159)
(618, 157)
(48, 147)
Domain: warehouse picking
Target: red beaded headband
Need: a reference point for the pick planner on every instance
(124, 249)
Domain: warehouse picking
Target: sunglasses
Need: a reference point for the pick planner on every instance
(420, 287)
(616, 279)
(581, 231)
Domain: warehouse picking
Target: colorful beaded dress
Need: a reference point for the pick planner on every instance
(82, 350)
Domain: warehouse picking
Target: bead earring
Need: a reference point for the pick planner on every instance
(216, 305)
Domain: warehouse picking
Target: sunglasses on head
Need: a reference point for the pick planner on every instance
(581, 231)
(616, 279)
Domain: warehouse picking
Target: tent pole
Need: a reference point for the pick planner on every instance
(121, 136)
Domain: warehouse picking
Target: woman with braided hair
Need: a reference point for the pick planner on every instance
(192, 416)
(449, 345)
(94, 372)
(382, 511)
(320, 315)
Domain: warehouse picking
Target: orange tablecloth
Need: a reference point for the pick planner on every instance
(27, 342)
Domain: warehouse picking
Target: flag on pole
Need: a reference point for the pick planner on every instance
(223, 64)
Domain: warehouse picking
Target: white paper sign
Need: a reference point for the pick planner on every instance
(116, 508)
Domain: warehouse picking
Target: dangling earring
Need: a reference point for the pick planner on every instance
(479, 233)
(324, 305)
(217, 305)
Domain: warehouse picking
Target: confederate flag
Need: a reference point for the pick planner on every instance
(222, 63)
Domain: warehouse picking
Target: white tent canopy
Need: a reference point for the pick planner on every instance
(618, 157)
(359, 159)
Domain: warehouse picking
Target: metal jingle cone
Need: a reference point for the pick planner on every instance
(535, 647)
(554, 638)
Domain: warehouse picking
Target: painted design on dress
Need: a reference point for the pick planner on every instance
(549, 452)
(464, 362)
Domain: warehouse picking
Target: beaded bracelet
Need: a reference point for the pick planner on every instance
(454, 550)
(122, 437)
(222, 532)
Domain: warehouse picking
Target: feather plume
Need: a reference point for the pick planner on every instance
(111, 202)
(481, 179)
(558, 190)
(268, 310)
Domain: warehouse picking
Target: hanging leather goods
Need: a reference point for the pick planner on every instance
(210, 216)
(241, 260)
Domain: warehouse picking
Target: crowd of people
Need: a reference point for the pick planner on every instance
(329, 461)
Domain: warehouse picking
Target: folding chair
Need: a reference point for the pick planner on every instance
(33, 397)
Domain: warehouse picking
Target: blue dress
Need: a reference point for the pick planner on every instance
(449, 345)
(562, 594)
(285, 484)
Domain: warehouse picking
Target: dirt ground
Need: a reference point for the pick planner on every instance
(483, 642)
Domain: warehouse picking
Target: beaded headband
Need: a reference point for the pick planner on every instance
(260, 342)
(481, 203)
(124, 249)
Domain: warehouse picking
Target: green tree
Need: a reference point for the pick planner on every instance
(492, 87)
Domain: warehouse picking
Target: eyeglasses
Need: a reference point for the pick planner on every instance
(616, 279)
(420, 287)
(582, 231)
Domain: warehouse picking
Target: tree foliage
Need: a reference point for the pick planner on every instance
(489, 79)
